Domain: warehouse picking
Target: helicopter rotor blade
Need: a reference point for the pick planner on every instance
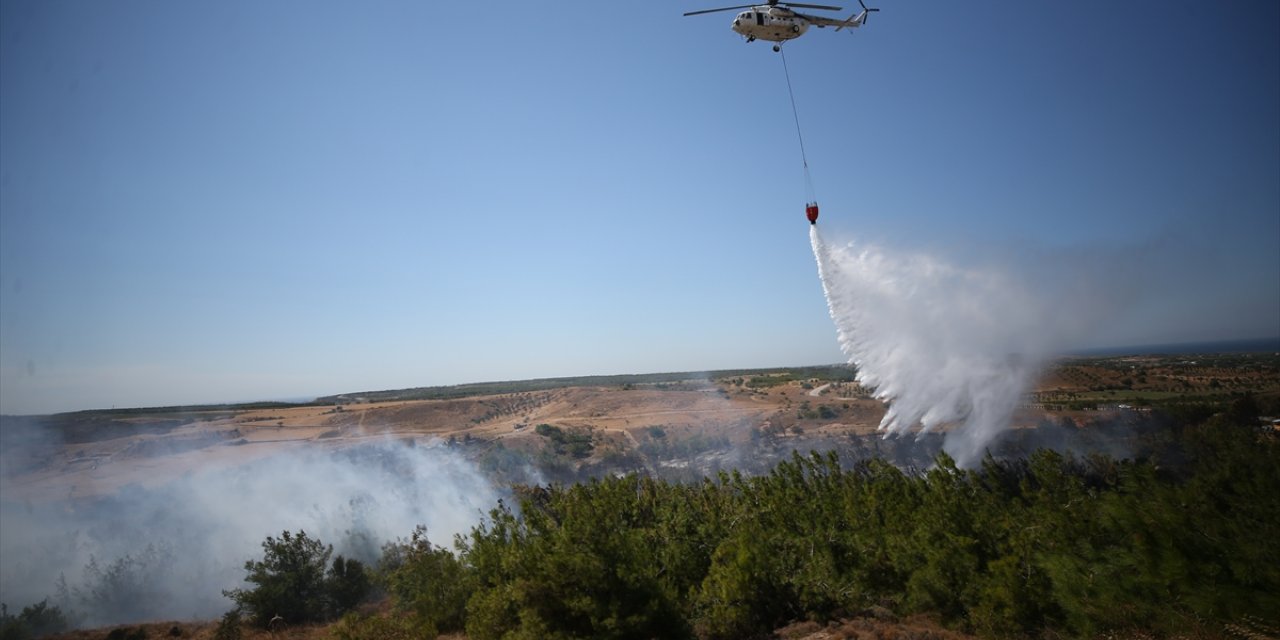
(812, 6)
(741, 6)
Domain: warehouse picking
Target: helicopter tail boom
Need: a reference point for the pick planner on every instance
(858, 19)
(853, 22)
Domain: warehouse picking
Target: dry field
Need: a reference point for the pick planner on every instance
(152, 448)
(155, 451)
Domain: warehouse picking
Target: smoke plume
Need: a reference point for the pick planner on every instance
(167, 552)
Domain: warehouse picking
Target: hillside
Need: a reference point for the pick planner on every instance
(652, 422)
(677, 428)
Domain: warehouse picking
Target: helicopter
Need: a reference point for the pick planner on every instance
(776, 21)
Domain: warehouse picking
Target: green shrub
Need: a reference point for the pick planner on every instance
(348, 585)
(1049, 546)
(429, 582)
(34, 621)
(229, 626)
(354, 626)
(293, 584)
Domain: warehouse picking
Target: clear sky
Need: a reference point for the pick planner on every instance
(243, 200)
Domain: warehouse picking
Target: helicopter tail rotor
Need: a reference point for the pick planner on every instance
(858, 19)
(865, 11)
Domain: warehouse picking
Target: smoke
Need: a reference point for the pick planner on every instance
(168, 552)
(941, 345)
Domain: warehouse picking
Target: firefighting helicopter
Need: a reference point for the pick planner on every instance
(777, 22)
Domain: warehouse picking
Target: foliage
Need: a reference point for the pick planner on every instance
(126, 633)
(229, 627)
(292, 582)
(347, 583)
(429, 582)
(1049, 544)
(354, 626)
(668, 446)
(574, 442)
(130, 588)
(578, 563)
(839, 373)
(34, 621)
(824, 412)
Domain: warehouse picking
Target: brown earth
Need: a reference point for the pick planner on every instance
(151, 449)
(154, 456)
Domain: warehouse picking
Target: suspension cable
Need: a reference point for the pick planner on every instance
(808, 181)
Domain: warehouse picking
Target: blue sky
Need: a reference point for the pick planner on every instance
(208, 202)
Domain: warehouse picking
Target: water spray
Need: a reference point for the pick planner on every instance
(945, 348)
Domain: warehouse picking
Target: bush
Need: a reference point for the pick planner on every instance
(574, 442)
(348, 585)
(130, 588)
(741, 595)
(576, 563)
(292, 582)
(229, 626)
(353, 626)
(35, 621)
(429, 582)
(125, 633)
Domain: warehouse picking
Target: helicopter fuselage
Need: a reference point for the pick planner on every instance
(774, 24)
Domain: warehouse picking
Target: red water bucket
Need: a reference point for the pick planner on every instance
(811, 212)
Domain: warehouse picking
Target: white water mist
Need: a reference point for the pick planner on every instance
(940, 345)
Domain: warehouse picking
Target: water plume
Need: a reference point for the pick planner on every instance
(943, 347)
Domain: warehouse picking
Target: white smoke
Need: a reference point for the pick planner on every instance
(167, 552)
(941, 345)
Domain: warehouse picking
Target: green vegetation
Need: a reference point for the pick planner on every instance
(34, 621)
(428, 583)
(822, 412)
(355, 626)
(834, 373)
(229, 627)
(127, 633)
(1047, 545)
(292, 582)
(805, 375)
(1163, 381)
(659, 445)
(573, 442)
(131, 587)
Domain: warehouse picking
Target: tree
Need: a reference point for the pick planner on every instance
(348, 585)
(430, 582)
(292, 582)
(35, 621)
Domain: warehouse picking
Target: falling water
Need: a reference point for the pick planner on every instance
(943, 347)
